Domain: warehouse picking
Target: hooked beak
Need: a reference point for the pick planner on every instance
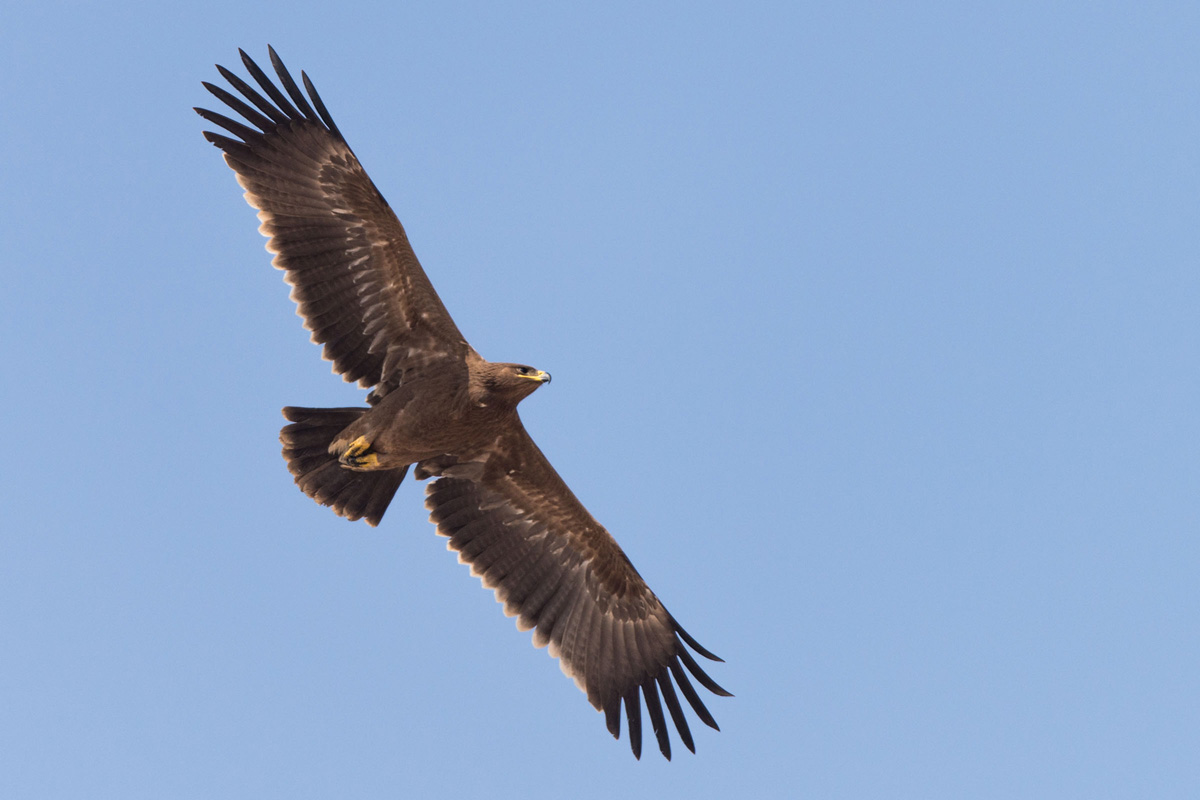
(539, 376)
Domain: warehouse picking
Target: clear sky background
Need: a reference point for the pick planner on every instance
(875, 342)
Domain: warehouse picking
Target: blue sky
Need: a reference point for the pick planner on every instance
(874, 340)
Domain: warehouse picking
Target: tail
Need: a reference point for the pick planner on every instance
(351, 494)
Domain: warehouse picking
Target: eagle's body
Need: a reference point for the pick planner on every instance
(437, 404)
(445, 410)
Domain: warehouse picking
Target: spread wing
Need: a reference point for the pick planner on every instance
(557, 570)
(357, 283)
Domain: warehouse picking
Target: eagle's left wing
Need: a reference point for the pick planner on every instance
(554, 567)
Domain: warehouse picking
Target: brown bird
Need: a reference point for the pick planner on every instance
(436, 403)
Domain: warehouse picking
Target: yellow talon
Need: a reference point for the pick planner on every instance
(358, 455)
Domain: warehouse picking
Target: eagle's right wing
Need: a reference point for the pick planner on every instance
(357, 283)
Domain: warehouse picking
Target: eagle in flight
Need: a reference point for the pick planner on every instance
(438, 406)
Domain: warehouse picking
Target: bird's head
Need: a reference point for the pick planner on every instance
(514, 382)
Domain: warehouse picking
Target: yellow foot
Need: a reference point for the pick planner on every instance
(358, 455)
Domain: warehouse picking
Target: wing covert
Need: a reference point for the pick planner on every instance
(356, 281)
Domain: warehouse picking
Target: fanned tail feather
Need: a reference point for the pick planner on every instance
(351, 494)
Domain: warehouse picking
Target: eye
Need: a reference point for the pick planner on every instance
(522, 370)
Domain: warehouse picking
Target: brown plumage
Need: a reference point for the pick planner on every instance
(437, 404)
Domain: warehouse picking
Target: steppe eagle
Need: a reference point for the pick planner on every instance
(437, 404)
